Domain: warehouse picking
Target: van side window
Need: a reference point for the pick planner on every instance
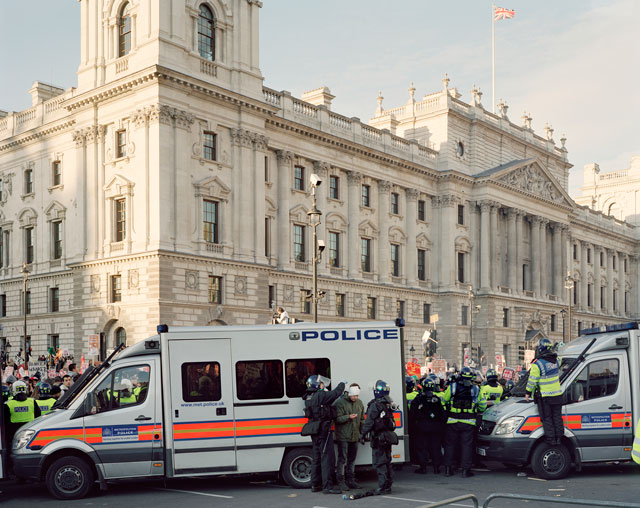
(201, 382)
(599, 379)
(298, 371)
(123, 388)
(259, 380)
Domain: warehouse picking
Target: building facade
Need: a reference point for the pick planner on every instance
(172, 187)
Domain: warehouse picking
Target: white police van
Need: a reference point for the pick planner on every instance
(206, 401)
(600, 378)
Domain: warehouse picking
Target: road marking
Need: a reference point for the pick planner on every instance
(537, 479)
(424, 501)
(198, 493)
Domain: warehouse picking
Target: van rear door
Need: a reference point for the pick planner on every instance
(202, 406)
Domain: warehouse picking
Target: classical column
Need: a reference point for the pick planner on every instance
(493, 259)
(321, 169)
(245, 200)
(283, 244)
(609, 256)
(384, 248)
(597, 304)
(544, 257)
(260, 146)
(519, 251)
(411, 255)
(511, 250)
(583, 276)
(558, 276)
(566, 253)
(622, 283)
(446, 258)
(535, 255)
(353, 205)
(485, 241)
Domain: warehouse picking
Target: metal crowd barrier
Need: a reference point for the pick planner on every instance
(558, 500)
(446, 502)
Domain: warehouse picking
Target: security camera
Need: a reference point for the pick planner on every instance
(315, 180)
(321, 245)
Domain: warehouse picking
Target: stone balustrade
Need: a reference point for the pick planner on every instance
(43, 113)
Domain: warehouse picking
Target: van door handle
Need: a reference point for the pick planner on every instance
(143, 418)
(615, 406)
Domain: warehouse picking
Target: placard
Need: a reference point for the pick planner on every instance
(508, 373)
(94, 345)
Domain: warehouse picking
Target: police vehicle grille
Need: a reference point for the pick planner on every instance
(486, 427)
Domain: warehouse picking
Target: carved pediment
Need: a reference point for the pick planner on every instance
(55, 211)
(336, 221)
(212, 187)
(118, 186)
(298, 214)
(367, 228)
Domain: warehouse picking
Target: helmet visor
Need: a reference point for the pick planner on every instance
(324, 380)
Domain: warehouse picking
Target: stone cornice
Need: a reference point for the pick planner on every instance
(36, 134)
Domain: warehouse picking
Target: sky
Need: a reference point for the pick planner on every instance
(570, 63)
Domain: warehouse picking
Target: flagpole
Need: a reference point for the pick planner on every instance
(493, 59)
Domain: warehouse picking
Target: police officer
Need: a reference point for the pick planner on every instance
(319, 408)
(635, 451)
(428, 420)
(508, 386)
(544, 383)
(19, 410)
(492, 390)
(412, 391)
(465, 400)
(45, 401)
(125, 393)
(379, 424)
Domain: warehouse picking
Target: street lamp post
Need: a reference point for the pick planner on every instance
(318, 245)
(569, 284)
(564, 325)
(473, 309)
(25, 277)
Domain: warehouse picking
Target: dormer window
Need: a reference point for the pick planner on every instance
(124, 31)
(206, 34)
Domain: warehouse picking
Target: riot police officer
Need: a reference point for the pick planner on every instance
(380, 426)
(465, 400)
(492, 390)
(319, 408)
(428, 419)
(45, 400)
(19, 410)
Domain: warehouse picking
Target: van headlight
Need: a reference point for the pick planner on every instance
(509, 425)
(22, 438)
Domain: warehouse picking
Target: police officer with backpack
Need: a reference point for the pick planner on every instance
(428, 421)
(320, 411)
(464, 400)
(380, 426)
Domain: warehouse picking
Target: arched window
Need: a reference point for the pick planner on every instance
(124, 28)
(121, 336)
(206, 34)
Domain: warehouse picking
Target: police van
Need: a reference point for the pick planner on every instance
(206, 401)
(600, 378)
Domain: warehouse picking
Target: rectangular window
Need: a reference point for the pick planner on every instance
(575, 295)
(209, 146)
(395, 260)
(271, 297)
(464, 315)
(625, 265)
(267, 236)
(615, 300)
(575, 251)
(366, 195)
(28, 245)
(553, 323)
(461, 214)
(613, 262)
(56, 234)
(589, 294)
(340, 304)
(395, 203)
(426, 313)
(298, 178)
(27, 302)
(334, 187)
(110, 394)
(422, 264)
(210, 221)
(599, 379)
(371, 308)
(334, 249)
(116, 288)
(28, 181)
(422, 215)
(366, 254)
(266, 168)
(626, 302)
(579, 327)
(54, 299)
(400, 308)
(525, 279)
(56, 173)
(299, 251)
(505, 317)
(298, 371)
(305, 301)
(7, 250)
(588, 255)
(460, 266)
(121, 144)
(215, 289)
(258, 380)
(3, 305)
(54, 342)
(601, 258)
(1, 189)
(201, 382)
(602, 298)
(121, 220)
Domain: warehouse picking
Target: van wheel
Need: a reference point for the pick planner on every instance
(69, 478)
(296, 468)
(551, 462)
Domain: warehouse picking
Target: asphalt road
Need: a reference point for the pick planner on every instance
(604, 483)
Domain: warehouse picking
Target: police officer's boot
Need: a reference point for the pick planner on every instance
(448, 471)
(436, 469)
(467, 473)
(341, 483)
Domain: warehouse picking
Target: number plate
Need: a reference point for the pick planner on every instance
(481, 451)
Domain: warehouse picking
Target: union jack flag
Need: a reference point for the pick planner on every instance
(502, 13)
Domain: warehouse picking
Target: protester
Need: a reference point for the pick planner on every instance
(283, 316)
(349, 419)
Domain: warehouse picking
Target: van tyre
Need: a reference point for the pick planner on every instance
(551, 462)
(69, 478)
(296, 468)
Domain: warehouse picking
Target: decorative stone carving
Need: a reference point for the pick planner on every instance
(354, 178)
(357, 301)
(78, 137)
(387, 304)
(191, 279)
(134, 278)
(95, 283)
(242, 137)
(412, 194)
(284, 156)
(384, 186)
(416, 307)
(531, 179)
(526, 120)
(502, 109)
(160, 113)
(445, 82)
(444, 201)
(321, 169)
(241, 286)
(140, 116)
(183, 119)
(476, 96)
(113, 311)
(549, 132)
(260, 142)
(288, 293)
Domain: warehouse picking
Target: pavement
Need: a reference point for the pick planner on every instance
(606, 483)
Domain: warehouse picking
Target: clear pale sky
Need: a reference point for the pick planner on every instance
(571, 63)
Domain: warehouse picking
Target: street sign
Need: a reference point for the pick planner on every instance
(94, 345)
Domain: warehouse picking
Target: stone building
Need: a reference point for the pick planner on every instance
(172, 187)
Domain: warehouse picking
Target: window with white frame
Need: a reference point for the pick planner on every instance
(29, 245)
(395, 260)
(121, 143)
(334, 248)
(124, 31)
(120, 219)
(56, 173)
(209, 145)
(299, 247)
(28, 181)
(210, 220)
(206, 33)
(56, 239)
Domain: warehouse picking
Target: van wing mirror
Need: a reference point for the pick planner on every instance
(90, 404)
(573, 393)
